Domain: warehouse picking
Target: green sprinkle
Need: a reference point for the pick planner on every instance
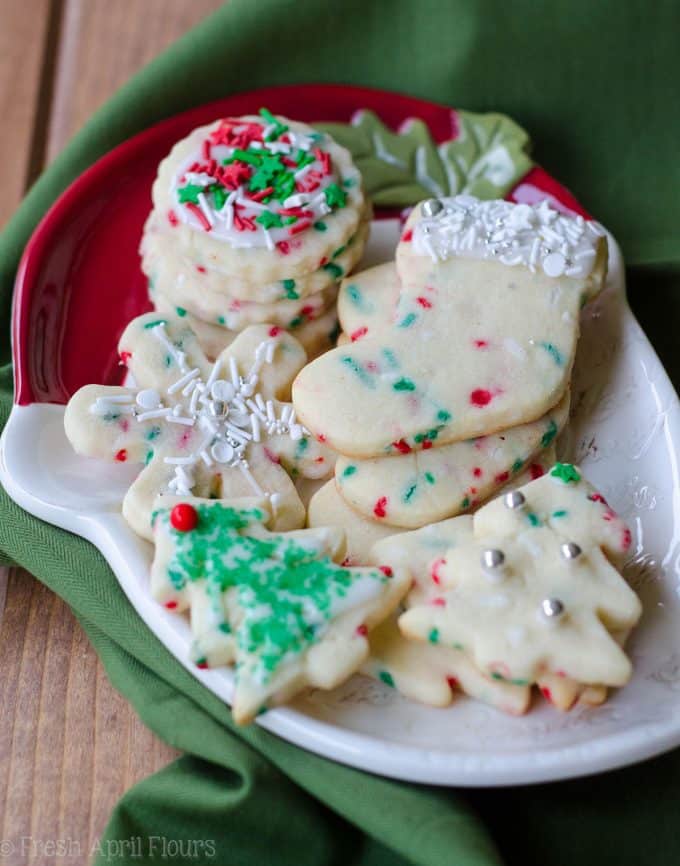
(403, 384)
(219, 194)
(189, 193)
(549, 434)
(181, 312)
(289, 220)
(304, 158)
(386, 678)
(407, 321)
(533, 519)
(391, 358)
(221, 320)
(433, 636)
(335, 196)
(349, 471)
(560, 513)
(429, 477)
(269, 220)
(302, 446)
(358, 371)
(320, 226)
(443, 415)
(408, 493)
(356, 296)
(465, 503)
(153, 433)
(224, 627)
(335, 270)
(496, 676)
(554, 353)
(517, 465)
(296, 322)
(565, 472)
(338, 252)
(289, 287)
(155, 323)
(349, 182)
(245, 156)
(149, 457)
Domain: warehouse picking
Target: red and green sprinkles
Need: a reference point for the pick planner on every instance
(287, 591)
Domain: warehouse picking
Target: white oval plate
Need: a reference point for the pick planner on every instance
(624, 432)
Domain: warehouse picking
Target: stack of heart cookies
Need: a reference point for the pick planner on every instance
(452, 379)
(255, 220)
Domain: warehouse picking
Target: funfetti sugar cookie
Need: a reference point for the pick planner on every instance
(210, 429)
(276, 604)
(263, 198)
(315, 336)
(166, 265)
(328, 508)
(534, 590)
(419, 487)
(432, 674)
(477, 344)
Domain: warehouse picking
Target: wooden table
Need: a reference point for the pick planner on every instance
(69, 744)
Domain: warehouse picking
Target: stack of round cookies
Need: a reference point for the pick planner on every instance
(255, 220)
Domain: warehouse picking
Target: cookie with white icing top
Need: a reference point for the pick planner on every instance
(276, 604)
(475, 346)
(214, 429)
(262, 198)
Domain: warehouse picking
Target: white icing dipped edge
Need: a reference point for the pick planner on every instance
(536, 236)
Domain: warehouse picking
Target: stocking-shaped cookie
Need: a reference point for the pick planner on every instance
(274, 603)
(533, 590)
(209, 429)
(483, 337)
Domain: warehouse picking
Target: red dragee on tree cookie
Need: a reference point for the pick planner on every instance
(211, 429)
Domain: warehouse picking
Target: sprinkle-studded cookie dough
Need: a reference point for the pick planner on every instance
(276, 604)
(209, 429)
(509, 333)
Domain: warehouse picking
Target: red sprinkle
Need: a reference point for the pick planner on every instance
(296, 211)
(324, 261)
(125, 357)
(407, 236)
(273, 458)
(453, 682)
(379, 509)
(263, 193)
(358, 334)
(206, 149)
(502, 477)
(171, 605)
(124, 425)
(427, 305)
(480, 397)
(361, 631)
(200, 216)
(183, 517)
(439, 602)
(545, 691)
(172, 218)
(597, 497)
(321, 437)
(301, 226)
(402, 446)
(427, 444)
(536, 471)
(386, 570)
(346, 561)
(121, 456)
(434, 570)
(477, 472)
(481, 344)
(274, 331)
(626, 539)
(200, 269)
(202, 665)
(283, 247)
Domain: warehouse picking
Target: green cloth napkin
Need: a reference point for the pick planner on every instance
(596, 86)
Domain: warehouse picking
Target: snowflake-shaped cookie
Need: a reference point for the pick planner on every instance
(533, 590)
(209, 429)
(275, 603)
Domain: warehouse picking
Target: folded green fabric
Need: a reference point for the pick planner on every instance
(596, 85)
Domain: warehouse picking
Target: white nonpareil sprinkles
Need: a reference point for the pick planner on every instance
(225, 408)
(536, 236)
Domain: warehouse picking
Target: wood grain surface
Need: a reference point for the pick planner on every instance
(70, 745)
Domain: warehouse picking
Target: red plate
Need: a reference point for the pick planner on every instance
(79, 282)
